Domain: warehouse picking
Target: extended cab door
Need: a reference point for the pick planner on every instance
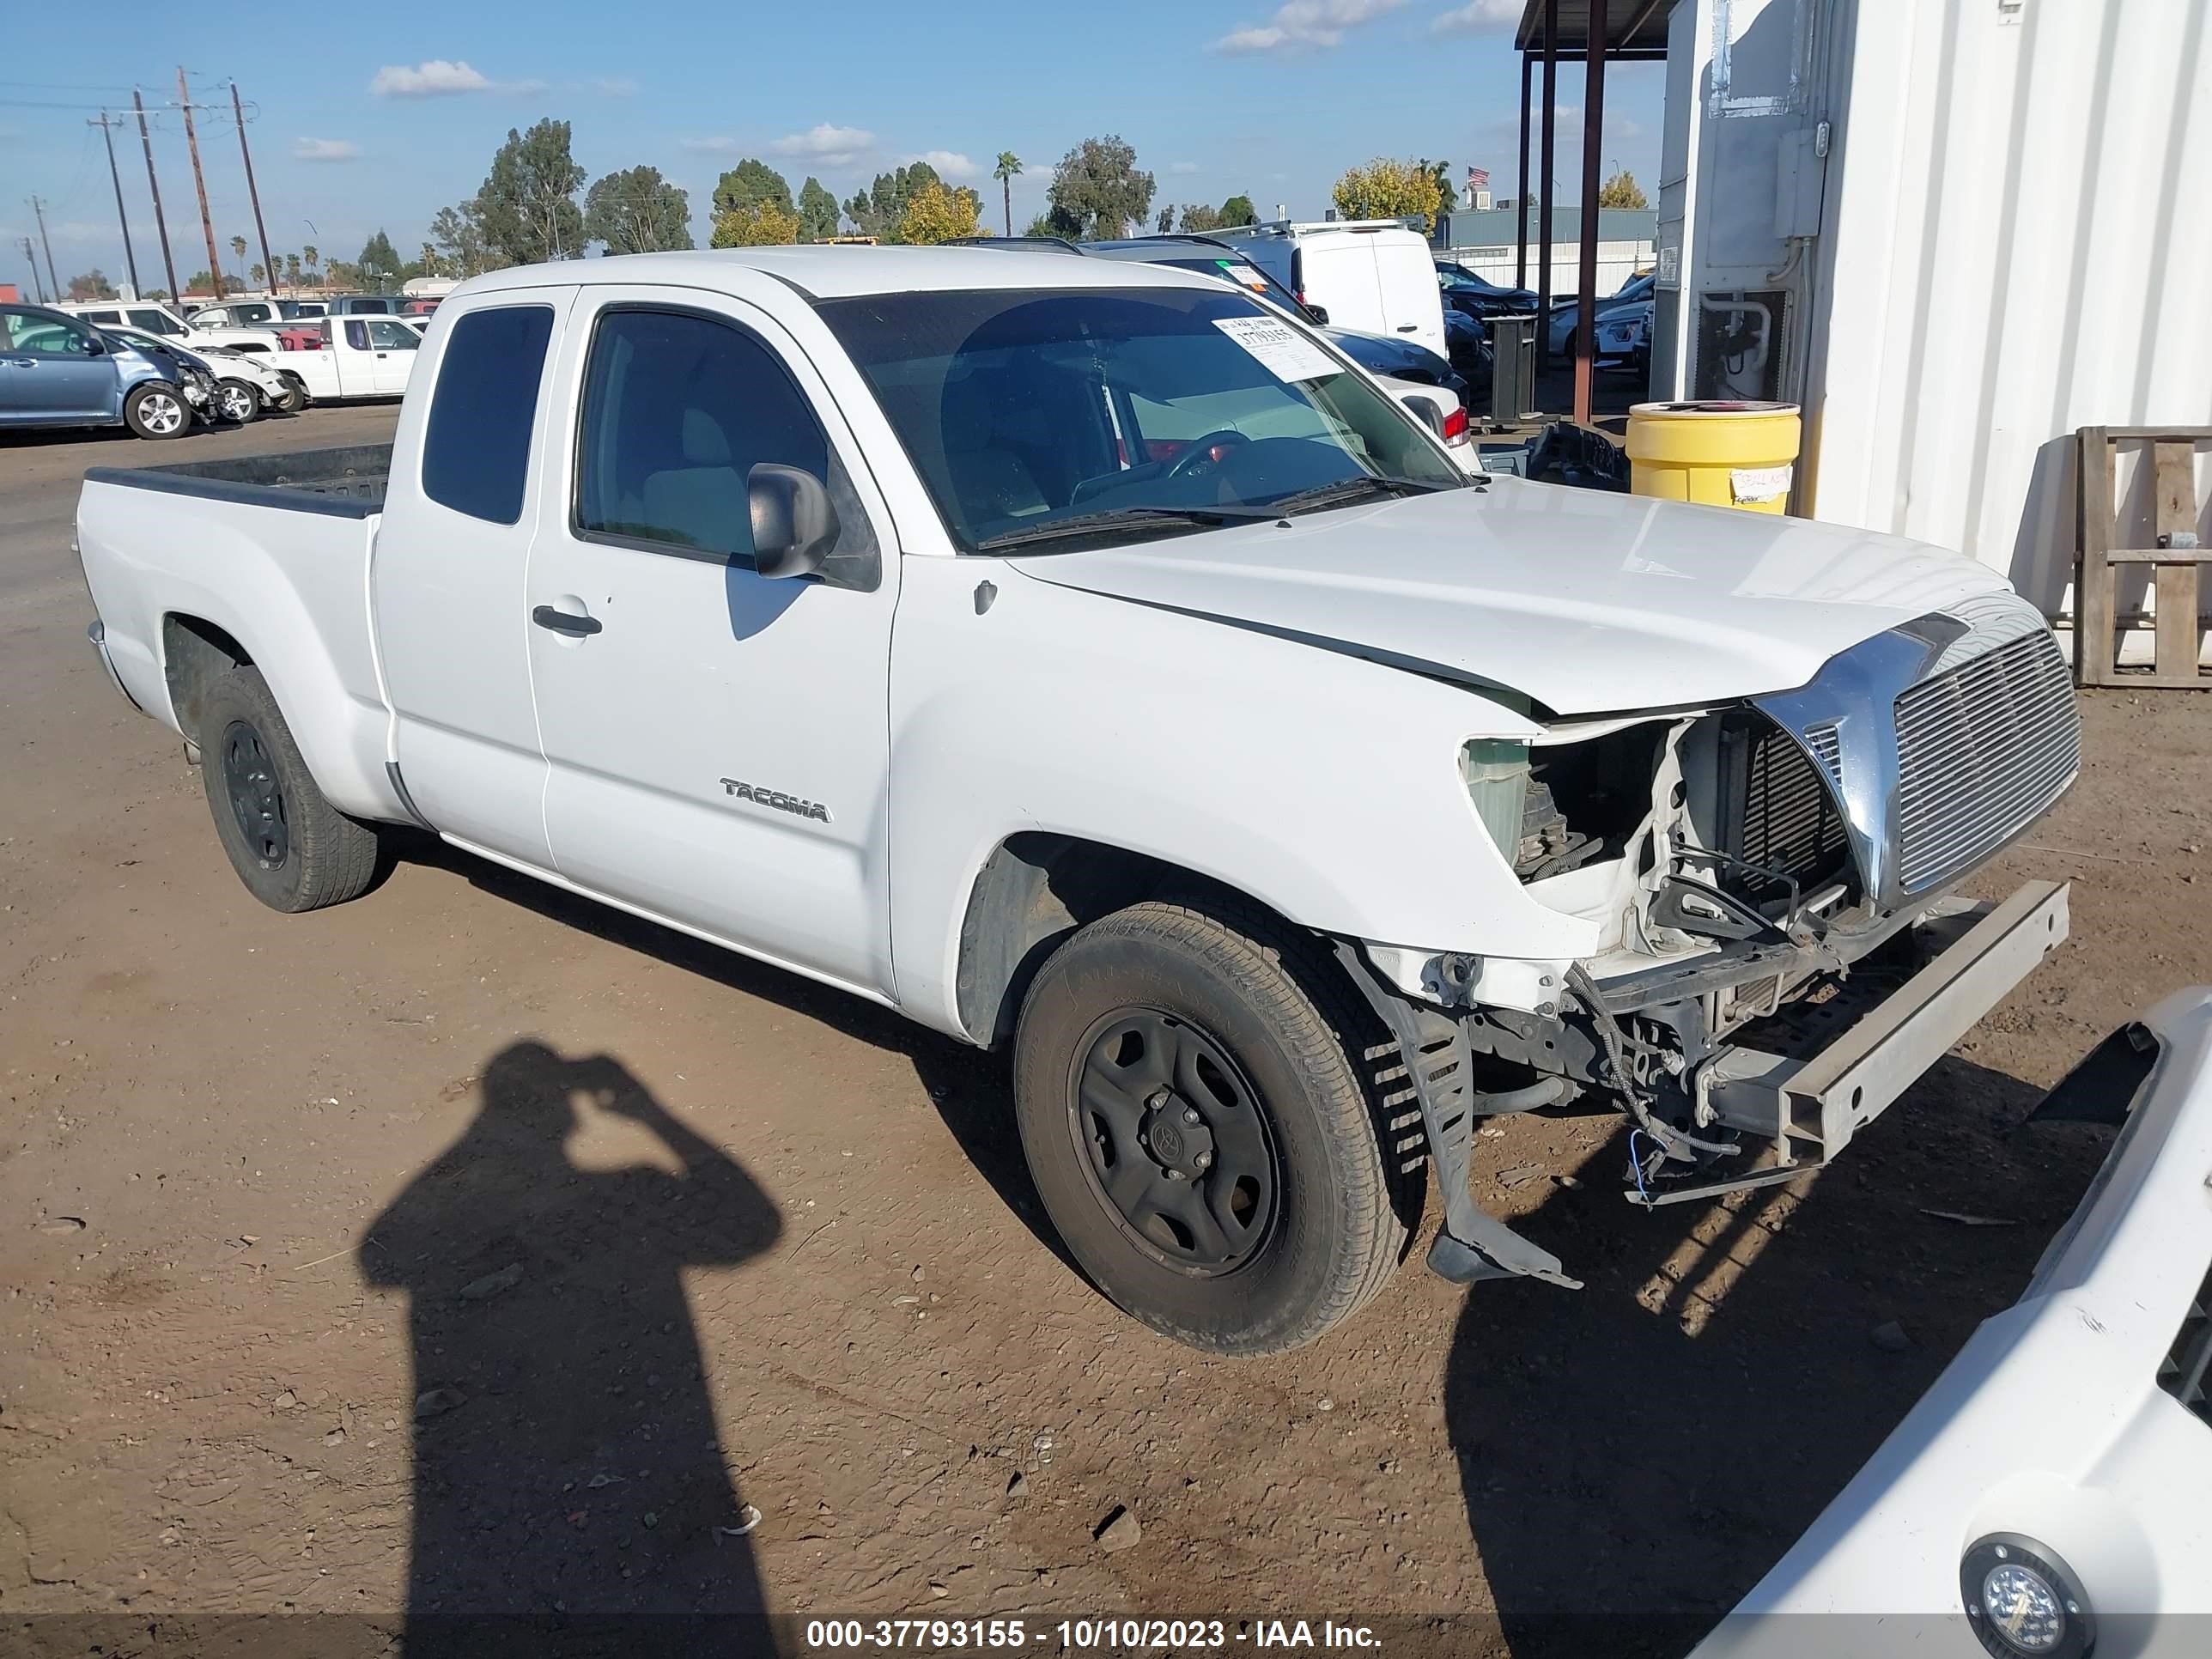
(717, 741)
(470, 464)
(374, 356)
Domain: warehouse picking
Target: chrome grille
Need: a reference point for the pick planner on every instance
(2182, 1373)
(1983, 749)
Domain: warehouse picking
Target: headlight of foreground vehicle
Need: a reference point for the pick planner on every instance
(2023, 1601)
(1495, 772)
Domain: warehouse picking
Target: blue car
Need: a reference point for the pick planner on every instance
(56, 371)
(1378, 354)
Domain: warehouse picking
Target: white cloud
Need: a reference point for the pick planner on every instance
(615, 86)
(437, 78)
(1183, 168)
(717, 145)
(949, 163)
(325, 149)
(1304, 23)
(832, 146)
(1478, 18)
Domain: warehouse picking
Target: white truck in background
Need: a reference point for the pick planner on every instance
(1088, 659)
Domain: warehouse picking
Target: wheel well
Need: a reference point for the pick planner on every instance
(194, 654)
(1035, 890)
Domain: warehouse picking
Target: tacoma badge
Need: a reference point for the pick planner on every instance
(778, 800)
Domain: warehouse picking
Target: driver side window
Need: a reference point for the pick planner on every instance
(44, 337)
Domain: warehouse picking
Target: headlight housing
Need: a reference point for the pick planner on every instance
(1495, 772)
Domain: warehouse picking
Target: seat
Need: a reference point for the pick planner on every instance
(992, 482)
(701, 503)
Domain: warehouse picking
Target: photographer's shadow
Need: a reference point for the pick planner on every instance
(570, 1475)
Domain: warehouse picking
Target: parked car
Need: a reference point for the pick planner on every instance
(369, 356)
(57, 371)
(1371, 275)
(1635, 292)
(266, 312)
(364, 305)
(1478, 299)
(2051, 1492)
(245, 383)
(1084, 659)
(156, 318)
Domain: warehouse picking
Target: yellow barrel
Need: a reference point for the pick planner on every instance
(1720, 454)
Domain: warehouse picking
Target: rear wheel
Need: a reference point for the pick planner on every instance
(292, 848)
(236, 402)
(295, 395)
(157, 409)
(1199, 1131)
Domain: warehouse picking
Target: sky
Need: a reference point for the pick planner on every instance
(375, 124)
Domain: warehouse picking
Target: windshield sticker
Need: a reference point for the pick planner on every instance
(1282, 351)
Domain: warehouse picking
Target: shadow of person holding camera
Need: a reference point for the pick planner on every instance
(572, 1490)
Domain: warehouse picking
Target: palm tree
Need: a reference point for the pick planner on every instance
(292, 270)
(238, 247)
(307, 253)
(260, 276)
(429, 260)
(1009, 165)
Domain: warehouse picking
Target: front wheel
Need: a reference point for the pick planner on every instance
(156, 410)
(292, 848)
(295, 395)
(1200, 1132)
(236, 402)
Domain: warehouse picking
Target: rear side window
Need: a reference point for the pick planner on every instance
(678, 410)
(478, 451)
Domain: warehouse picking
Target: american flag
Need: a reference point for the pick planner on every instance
(1477, 178)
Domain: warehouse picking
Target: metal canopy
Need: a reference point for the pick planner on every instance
(1630, 26)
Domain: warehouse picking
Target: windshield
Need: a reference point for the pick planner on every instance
(1055, 416)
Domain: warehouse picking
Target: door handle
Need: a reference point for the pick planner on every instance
(1408, 328)
(564, 621)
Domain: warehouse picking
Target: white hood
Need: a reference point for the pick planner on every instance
(1587, 601)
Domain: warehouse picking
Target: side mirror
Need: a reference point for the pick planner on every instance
(94, 346)
(794, 522)
(1317, 315)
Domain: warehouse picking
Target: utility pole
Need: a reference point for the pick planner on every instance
(38, 212)
(267, 264)
(160, 224)
(107, 130)
(31, 259)
(199, 183)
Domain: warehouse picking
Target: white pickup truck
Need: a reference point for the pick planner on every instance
(360, 357)
(1088, 659)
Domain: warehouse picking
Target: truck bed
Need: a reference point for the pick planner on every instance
(263, 556)
(348, 481)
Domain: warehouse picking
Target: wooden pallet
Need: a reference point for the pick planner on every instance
(2177, 559)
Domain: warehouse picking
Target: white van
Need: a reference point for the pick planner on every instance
(1373, 275)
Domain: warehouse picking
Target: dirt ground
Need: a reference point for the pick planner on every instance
(265, 1181)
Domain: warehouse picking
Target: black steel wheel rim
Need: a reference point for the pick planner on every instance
(1174, 1141)
(257, 798)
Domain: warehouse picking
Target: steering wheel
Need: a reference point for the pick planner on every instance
(1199, 452)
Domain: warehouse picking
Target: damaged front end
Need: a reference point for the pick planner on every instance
(1779, 954)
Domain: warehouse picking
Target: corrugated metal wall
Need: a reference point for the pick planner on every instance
(2016, 241)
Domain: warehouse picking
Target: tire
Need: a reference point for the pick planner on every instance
(1263, 1036)
(237, 402)
(291, 847)
(157, 409)
(295, 396)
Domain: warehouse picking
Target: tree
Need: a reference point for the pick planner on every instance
(1197, 219)
(1098, 190)
(637, 211)
(93, 285)
(1447, 193)
(1008, 169)
(757, 224)
(202, 282)
(238, 248)
(934, 213)
(1388, 189)
(818, 211)
(526, 213)
(379, 259)
(1621, 191)
(292, 269)
(876, 210)
(1238, 210)
(428, 263)
(313, 260)
(259, 275)
(751, 181)
(455, 230)
(341, 275)
(1042, 225)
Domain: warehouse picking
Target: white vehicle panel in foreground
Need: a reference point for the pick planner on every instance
(2058, 1422)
